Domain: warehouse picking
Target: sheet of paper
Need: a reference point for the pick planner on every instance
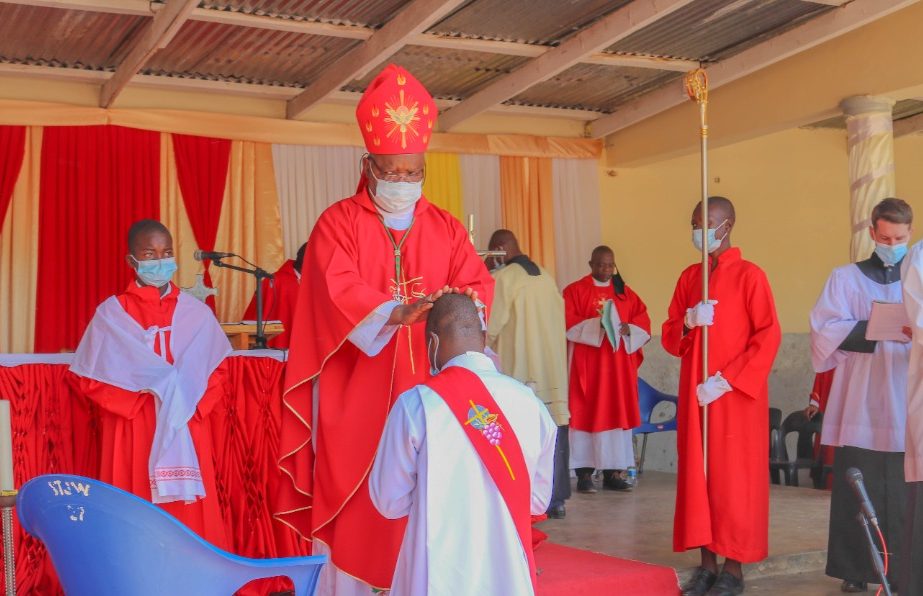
(887, 322)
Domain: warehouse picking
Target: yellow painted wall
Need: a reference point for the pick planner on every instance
(790, 190)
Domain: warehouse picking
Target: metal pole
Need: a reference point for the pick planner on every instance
(7, 501)
(697, 89)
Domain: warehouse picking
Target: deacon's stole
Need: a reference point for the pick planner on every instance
(493, 439)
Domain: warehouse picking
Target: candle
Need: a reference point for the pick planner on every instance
(471, 227)
(6, 447)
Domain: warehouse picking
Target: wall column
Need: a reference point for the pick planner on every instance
(870, 144)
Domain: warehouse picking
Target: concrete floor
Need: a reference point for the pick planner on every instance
(638, 525)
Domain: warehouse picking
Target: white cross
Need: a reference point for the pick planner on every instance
(199, 290)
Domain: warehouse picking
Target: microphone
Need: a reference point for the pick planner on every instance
(202, 255)
(854, 478)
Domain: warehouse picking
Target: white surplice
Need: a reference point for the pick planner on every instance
(116, 350)
(867, 405)
(460, 537)
(912, 277)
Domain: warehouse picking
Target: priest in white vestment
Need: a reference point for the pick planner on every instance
(461, 534)
(866, 411)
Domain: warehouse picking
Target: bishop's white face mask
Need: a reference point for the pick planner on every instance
(396, 197)
(432, 349)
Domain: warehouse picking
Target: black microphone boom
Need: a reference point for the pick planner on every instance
(854, 478)
(202, 255)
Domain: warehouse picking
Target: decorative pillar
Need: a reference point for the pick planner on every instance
(870, 144)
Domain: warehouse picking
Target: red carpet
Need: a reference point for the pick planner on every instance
(569, 571)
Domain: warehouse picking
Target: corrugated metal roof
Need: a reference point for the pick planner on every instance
(708, 30)
(516, 20)
(70, 38)
(593, 87)
(371, 13)
(447, 74)
(253, 55)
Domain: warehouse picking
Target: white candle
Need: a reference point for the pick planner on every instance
(6, 447)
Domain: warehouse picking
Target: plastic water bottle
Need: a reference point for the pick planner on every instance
(632, 476)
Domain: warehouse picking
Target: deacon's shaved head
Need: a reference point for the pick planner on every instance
(721, 207)
(454, 317)
(503, 237)
(142, 228)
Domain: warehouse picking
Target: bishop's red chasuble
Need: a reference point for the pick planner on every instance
(353, 265)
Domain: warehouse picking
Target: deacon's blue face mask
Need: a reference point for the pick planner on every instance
(157, 272)
(713, 242)
(891, 254)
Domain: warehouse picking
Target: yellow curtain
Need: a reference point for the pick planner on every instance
(19, 252)
(249, 225)
(443, 186)
(173, 215)
(526, 206)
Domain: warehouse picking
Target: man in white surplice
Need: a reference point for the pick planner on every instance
(866, 411)
(460, 537)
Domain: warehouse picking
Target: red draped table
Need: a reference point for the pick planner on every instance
(55, 430)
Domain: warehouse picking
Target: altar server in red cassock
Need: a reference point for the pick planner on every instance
(726, 512)
(374, 264)
(607, 325)
(152, 360)
(279, 298)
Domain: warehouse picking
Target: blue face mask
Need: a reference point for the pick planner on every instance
(157, 272)
(713, 242)
(891, 255)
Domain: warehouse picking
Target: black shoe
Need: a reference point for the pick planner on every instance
(851, 586)
(556, 512)
(616, 482)
(702, 580)
(727, 585)
(585, 485)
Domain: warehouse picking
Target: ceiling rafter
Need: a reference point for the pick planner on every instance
(794, 41)
(152, 38)
(606, 31)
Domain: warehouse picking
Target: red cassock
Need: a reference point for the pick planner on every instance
(349, 271)
(729, 512)
(278, 302)
(603, 384)
(127, 421)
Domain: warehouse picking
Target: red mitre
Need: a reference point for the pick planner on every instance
(396, 113)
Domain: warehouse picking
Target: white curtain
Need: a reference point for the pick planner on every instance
(480, 176)
(309, 179)
(577, 229)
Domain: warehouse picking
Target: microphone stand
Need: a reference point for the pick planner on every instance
(873, 551)
(260, 275)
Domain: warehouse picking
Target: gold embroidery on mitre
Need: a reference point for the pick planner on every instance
(429, 124)
(401, 80)
(375, 112)
(376, 141)
(402, 116)
(426, 109)
(368, 126)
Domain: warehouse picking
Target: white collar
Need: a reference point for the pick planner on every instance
(476, 361)
(600, 284)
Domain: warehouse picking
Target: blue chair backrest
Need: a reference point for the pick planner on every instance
(648, 398)
(103, 540)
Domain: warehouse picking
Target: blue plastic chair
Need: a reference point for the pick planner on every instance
(648, 399)
(103, 540)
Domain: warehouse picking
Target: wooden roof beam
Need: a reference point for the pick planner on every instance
(804, 37)
(153, 37)
(415, 18)
(591, 40)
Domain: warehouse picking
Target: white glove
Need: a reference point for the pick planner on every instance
(713, 388)
(700, 315)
